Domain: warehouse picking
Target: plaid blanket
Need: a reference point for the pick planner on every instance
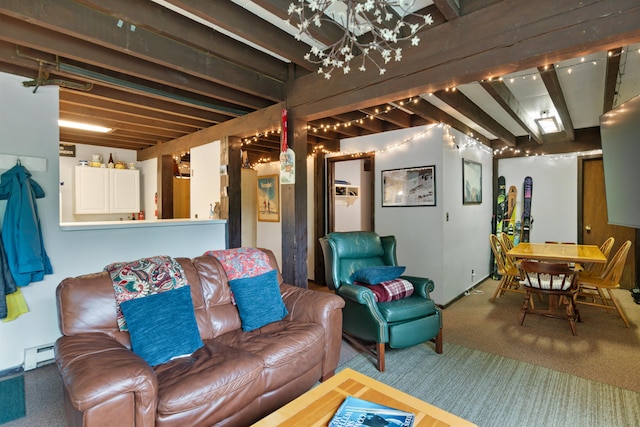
(142, 277)
(241, 263)
(390, 290)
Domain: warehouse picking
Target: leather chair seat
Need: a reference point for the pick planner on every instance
(412, 307)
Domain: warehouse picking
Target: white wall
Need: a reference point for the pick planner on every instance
(205, 179)
(29, 128)
(554, 201)
(428, 244)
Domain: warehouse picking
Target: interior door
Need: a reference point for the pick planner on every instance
(594, 226)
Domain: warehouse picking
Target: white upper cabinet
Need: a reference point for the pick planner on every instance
(103, 190)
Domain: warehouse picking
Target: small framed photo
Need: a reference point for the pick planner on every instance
(471, 182)
(409, 187)
(268, 198)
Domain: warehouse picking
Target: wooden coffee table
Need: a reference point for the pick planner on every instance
(317, 406)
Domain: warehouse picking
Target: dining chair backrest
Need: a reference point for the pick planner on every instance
(507, 243)
(596, 269)
(548, 276)
(613, 271)
(498, 254)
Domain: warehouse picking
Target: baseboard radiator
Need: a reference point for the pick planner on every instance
(35, 357)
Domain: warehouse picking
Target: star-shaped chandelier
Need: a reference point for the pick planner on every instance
(372, 29)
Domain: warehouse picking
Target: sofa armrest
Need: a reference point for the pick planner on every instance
(322, 308)
(95, 368)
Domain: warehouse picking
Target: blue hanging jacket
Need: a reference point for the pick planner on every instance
(22, 235)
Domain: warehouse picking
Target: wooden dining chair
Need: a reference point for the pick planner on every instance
(593, 269)
(507, 243)
(510, 281)
(554, 280)
(598, 291)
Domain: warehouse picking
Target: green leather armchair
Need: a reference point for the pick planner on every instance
(398, 324)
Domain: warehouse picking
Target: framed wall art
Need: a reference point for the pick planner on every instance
(268, 198)
(471, 182)
(409, 187)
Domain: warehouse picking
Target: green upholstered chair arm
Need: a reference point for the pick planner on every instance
(421, 285)
(360, 294)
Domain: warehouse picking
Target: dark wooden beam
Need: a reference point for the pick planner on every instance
(611, 79)
(458, 101)
(100, 29)
(449, 9)
(234, 221)
(250, 27)
(507, 100)
(432, 114)
(159, 19)
(585, 140)
(552, 83)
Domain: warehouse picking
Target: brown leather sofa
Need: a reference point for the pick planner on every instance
(234, 380)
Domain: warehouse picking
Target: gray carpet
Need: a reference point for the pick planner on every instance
(491, 390)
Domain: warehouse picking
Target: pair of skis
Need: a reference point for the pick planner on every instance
(517, 231)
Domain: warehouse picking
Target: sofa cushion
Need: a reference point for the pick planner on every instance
(259, 300)
(378, 274)
(287, 349)
(162, 326)
(142, 277)
(218, 378)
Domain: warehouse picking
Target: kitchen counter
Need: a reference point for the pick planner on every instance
(110, 225)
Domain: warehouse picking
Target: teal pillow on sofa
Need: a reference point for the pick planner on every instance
(379, 274)
(162, 326)
(258, 300)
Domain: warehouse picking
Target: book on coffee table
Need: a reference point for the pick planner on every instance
(355, 412)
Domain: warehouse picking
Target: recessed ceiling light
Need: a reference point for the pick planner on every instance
(83, 126)
(548, 124)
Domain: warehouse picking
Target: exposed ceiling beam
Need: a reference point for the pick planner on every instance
(250, 27)
(458, 101)
(507, 100)
(104, 30)
(432, 114)
(551, 82)
(611, 79)
(156, 18)
(449, 9)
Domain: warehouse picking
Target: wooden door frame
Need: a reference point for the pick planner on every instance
(331, 179)
(324, 181)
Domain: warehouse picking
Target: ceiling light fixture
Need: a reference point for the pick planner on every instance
(548, 124)
(83, 126)
(381, 23)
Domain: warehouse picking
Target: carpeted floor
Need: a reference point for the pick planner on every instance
(603, 350)
(491, 390)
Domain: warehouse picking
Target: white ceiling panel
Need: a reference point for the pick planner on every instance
(582, 81)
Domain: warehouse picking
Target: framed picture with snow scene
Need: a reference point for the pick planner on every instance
(471, 182)
(409, 187)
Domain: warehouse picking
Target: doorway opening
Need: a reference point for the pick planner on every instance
(350, 190)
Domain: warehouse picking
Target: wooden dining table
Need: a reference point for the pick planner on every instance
(575, 255)
(557, 252)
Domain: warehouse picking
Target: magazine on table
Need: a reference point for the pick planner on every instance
(357, 412)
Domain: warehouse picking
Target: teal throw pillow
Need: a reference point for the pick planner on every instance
(379, 274)
(258, 300)
(162, 326)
